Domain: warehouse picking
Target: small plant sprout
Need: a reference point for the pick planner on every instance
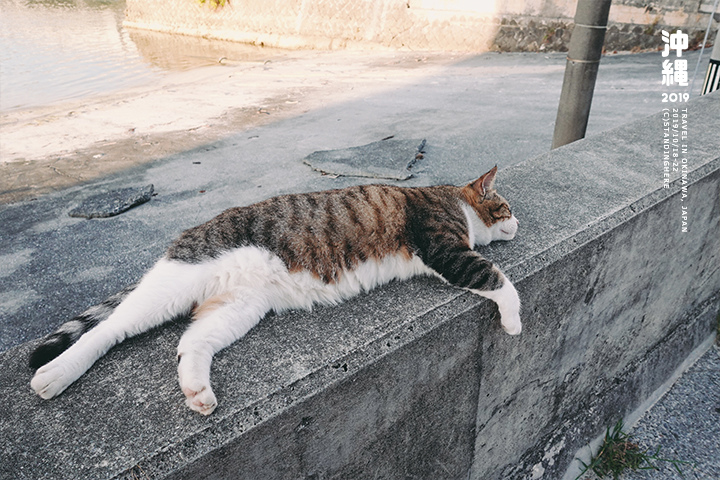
(619, 453)
(216, 4)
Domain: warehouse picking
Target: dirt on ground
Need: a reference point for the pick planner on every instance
(56, 146)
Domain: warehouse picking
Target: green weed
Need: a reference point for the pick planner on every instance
(619, 453)
(216, 4)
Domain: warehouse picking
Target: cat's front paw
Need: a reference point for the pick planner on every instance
(511, 323)
(51, 380)
(202, 401)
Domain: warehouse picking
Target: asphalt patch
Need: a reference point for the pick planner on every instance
(388, 158)
(114, 202)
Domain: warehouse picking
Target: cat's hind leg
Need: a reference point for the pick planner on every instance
(218, 322)
(166, 291)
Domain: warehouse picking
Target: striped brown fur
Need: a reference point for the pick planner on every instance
(331, 231)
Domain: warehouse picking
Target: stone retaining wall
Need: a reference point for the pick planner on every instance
(453, 25)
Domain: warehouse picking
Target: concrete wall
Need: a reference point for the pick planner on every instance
(417, 378)
(459, 25)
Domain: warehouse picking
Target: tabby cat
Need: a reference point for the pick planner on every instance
(285, 253)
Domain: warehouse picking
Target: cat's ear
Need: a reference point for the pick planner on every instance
(485, 183)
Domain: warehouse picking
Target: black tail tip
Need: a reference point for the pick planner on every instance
(46, 352)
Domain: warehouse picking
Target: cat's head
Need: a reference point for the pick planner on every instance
(496, 221)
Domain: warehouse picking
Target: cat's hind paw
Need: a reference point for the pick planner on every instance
(194, 377)
(202, 401)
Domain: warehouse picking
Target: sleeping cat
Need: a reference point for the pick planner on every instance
(285, 253)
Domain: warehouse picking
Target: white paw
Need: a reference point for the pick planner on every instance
(202, 401)
(52, 379)
(511, 323)
(194, 377)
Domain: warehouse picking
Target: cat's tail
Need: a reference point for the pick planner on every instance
(69, 332)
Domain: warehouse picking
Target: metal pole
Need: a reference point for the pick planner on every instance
(712, 77)
(581, 69)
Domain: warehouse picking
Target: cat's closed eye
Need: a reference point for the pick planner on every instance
(502, 213)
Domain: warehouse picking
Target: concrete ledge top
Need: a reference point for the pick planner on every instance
(126, 415)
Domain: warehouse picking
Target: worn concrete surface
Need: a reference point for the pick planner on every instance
(126, 414)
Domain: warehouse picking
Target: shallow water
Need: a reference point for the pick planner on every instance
(57, 50)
